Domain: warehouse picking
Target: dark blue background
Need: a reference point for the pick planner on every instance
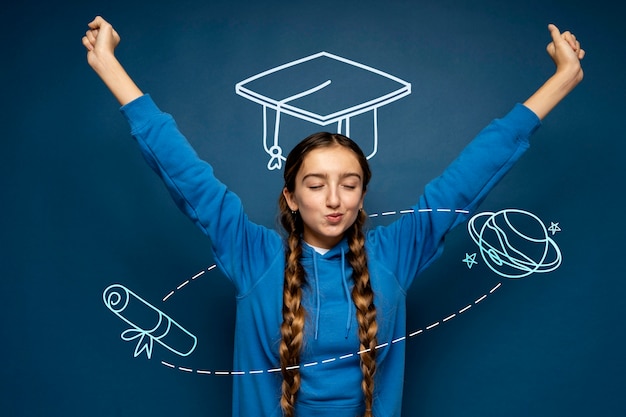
(81, 210)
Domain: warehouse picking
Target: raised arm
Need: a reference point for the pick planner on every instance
(566, 53)
(242, 248)
(101, 40)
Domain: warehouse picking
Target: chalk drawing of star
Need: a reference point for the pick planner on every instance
(554, 227)
(470, 260)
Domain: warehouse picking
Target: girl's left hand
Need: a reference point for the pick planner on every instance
(566, 52)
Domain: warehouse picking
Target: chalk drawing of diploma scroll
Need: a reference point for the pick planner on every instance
(514, 243)
(323, 89)
(147, 323)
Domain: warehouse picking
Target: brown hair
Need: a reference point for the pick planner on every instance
(292, 328)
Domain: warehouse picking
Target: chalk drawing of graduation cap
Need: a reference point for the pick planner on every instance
(323, 89)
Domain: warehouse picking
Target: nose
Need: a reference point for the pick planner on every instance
(332, 198)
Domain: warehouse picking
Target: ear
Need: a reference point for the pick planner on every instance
(290, 199)
(362, 200)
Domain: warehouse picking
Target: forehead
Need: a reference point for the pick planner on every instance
(332, 160)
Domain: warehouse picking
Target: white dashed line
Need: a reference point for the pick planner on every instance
(346, 356)
(480, 299)
(451, 316)
(465, 309)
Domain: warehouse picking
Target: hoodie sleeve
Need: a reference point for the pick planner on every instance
(414, 241)
(209, 204)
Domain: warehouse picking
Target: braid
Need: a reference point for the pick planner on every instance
(363, 298)
(292, 328)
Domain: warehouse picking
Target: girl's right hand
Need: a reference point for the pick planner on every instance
(100, 40)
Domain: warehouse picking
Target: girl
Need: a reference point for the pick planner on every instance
(321, 312)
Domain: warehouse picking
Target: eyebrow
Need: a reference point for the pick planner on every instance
(324, 176)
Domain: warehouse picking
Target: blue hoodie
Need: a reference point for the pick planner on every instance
(252, 257)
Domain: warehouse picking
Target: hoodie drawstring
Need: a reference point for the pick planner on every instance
(317, 294)
(346, 289)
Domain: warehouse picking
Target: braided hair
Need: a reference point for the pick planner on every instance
(292, 328)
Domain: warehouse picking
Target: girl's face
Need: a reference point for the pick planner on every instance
(328, 193)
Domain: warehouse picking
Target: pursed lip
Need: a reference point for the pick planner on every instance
(334, 217)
